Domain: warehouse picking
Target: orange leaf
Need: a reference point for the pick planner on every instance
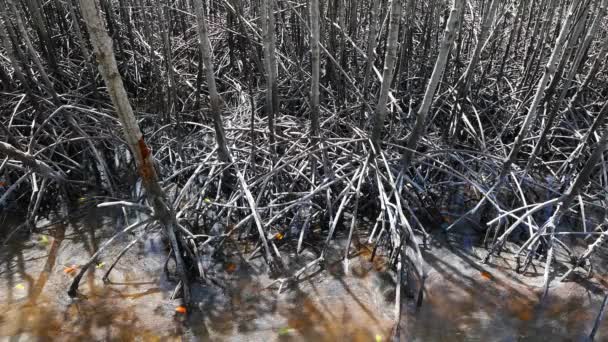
(2, 184)
(279, 236)
(181, 309)
(486, 275)
(230, 267)
(70, 270)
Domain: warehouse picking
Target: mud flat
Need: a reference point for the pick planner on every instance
(464, 299)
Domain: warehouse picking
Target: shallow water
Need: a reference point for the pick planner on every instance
(464, 300)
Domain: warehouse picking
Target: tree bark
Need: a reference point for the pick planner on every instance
(102, 45)
(440, 64)
(215, 100)
(390, 60)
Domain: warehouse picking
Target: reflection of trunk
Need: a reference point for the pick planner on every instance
(214, 98)
(448, 38)
(102, 46)
(387, 75)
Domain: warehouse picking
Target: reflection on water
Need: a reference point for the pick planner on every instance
(463, 301)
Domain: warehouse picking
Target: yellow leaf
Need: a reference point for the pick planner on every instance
(100, 265)
(44, 240)
(285, 331)
(378, 338)
(279, 236)
(207, 200)
(20, 287)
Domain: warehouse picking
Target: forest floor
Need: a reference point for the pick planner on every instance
(464, 299)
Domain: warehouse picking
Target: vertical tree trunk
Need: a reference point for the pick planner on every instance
(8, 47)
(371, 52)
(554, 109)
(440, 64)
(540, 90)
(48, 85)
(568, 196)
(464, 83)
(315, 56)
(102, 45)
(270, 65)
(390, 60)
(215, 100)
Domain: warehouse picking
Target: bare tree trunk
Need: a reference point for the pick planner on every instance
(315, 56)
(215, 100)
(216, 103)
(390, 60)
(11, 55)
(464, 83)
(568, 196)
(102, 45)
(371, 52)
(48, 85)
(540, 91)
(272, 102)
(440, 64)
(554, 110)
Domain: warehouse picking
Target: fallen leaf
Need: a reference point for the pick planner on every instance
(230, 267)
(100, 265)
(285, 331)
(378, 338)
(279, 236)
(44, 240)
(20, 287)
(486, 275)
(70, 270)
(207, 200)
(180, 309)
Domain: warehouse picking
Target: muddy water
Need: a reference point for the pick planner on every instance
(464, 299)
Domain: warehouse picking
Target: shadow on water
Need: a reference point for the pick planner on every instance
(464, 299)
(36, 270)
(322, 305)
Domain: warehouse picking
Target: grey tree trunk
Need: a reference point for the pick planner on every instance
(371, 52)
(440, 65)
(8, 46)
(215, 100)
(315, 56)
(540, 91)
(272, 100)
(48, 85)
(102, 46)
(390, 60)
